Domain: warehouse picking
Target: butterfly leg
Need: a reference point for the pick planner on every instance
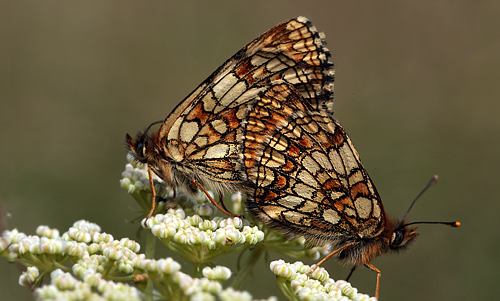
(221, 201)
(328, 257)
(350, 273)
(224, 210)
(153, 193)
(379, 274)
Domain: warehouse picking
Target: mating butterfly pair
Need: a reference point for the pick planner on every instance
(262, 124)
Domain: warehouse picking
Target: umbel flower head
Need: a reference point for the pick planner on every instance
(296, 285)
(99, 264)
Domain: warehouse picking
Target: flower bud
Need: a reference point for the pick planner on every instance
(219, 273)
(28, 278)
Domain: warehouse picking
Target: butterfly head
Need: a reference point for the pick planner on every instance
(137, 147)
(402, 236)
(142, 147)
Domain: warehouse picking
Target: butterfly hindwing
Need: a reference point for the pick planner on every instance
(307, 177)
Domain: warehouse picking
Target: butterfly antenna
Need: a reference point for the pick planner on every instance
(149, 138)
(156, 146)
(147, 130)
(431, 182)
(451, 224)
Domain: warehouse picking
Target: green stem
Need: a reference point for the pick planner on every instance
(150, 253)
(242, 274)
(197, 269)
(62, 267)
(286, 289)
(122, 278)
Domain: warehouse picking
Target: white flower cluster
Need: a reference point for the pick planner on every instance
(64, 286)
(81, 238)
(318, 286)
(201, 239)
(135, 178)
(99, 262)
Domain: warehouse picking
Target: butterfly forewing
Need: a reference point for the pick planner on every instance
(198, 140)
(307, 177)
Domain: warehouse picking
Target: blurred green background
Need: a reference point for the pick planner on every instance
(417, 88)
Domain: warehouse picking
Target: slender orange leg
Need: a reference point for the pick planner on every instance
(328, 257)
(153, 193)
(379, 274)
(213, 202)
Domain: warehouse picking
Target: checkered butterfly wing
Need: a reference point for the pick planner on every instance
(307, 177)
(198, 140)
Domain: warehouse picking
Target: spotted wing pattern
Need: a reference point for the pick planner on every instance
(197, 141)
(307, 177)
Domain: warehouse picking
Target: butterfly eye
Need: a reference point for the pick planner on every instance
(140, 149)
(397, 238)
(143, 149)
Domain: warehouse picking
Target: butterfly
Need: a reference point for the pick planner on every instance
(307, 180)
(198, 146)
(262, 124)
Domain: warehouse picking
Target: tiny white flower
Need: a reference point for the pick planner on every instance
(47, 232)
(205, 210)
(230, 294)
(28, 278)
(113, 253)
(168, 266)
(283, 269)
(320, 274)
(130, 244)
(218, 273)
(150, 265)
(102, 237)
(125, 267)
(92, 279)
(63, 281)
(208, 225)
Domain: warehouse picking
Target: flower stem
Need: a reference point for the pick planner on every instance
(150, 253)
(242, 274)
(197, 270)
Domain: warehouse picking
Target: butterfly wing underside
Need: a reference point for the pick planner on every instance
(202, 130)
(307, 177)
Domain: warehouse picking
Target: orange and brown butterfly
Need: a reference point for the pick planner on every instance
(198, 146)
(307, 180)
(262, 124)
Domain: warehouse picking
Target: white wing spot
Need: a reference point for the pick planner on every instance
(188, 130)
(224, 85)
(331, 216)
(363, 207)
(219, 126)
(217, 151)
